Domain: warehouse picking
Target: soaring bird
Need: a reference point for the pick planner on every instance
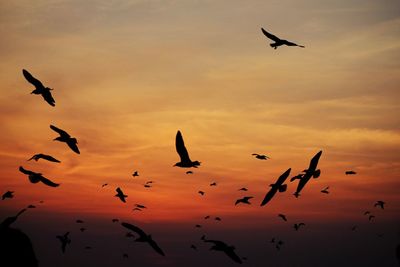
(282, 216)
(278, 186)
(259, 156)
(8, 194)
(207, 217)
(350, 173)
(66, 138)
(120, 194)
(65, 240)
(103, 185)
(189, 172)
(45, 157)
(371, 217)
(35, 177)
(278, 42)
(193, 247)
(31, 207)
(135, 174)
(243, 189)
(325, 190)
(310, 172)
(183, 153)
(79, 221)
(367, 212)
(197, 226)
(39, 88)
(201, 193)
(223, 247)
(115, 220)
(297, 226)
(143, 237)
(217, 218)
(244, 200)
(380, 203)
(213, 184)
(10, 220)
(140, 206)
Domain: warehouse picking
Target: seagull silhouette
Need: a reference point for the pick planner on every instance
(65, 240)
(259, 156)
(278, 186)
(45, 157)
(213, 184)
(380, 203)
(103, 185)
(193, 247)
(79, 221)
(282, 216)
(8, 194)
(10, 220)
(223, 247)
(244, 200)
(31, 207)
(66, 138)
(120, 195)
(371, 217)
(217, 218)
(39, 88)
(310, 172)
(278, 41)
(135, 174)
(37, 177)
(325, 190)
(367, 212)
(297, 226)
(183, 153)
(189, 172)
(207, 217)
(243, 189)
(140, 206)
(201, 193)
(143, 237)
(350, 173)
(115, 220)
(197, 226)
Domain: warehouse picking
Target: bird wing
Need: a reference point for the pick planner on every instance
(283, 177)
(231, 254)
(314, 162)
(48, 182)
(134, 229)
(48, 157)
(180, 148)
(46, 94)
(73, 145)
(269, 196)
(31, 79)
(27, 172)
(154, 245)
(59, 131)
(270, 36)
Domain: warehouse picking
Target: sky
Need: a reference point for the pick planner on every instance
(127, 75)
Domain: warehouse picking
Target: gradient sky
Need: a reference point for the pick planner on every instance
(128, 74)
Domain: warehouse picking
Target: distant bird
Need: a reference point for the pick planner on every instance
(310, 172)
(79, 221)
(262, 157)
(350, 173)
(207, 217)
(193, 247)
(244, 200)
(278, 186)
(297, 177)
(65, 240)
(125, 256)
(147, 185)
(66, 138)
(39, 88)
(140, 206)
(282, 216)
(183, 154)
(201, 193)
(35, 177)
(223, 247)
(213, 184)
(243, 189)
(149, 182)
(277, 41)
(325, 190)
(31, 207)
(10, 220)
(36, 157)
(371, 217)
(120, 194)
(82, 229)
(367, 212)
(143, 237)
(217, 218)
(135, 174)
(297, 226)
(189, 172)
(8, 194)
(380, 203)
(354, 228)
(115, 220)
(103, 185)
(197, 226)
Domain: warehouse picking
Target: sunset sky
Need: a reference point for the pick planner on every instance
(127, 75)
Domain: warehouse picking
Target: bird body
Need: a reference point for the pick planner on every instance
(40, 89)
(66, 138)
(277, 41)
(185, 162)
(278, 186)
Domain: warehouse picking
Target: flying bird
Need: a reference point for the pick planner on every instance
(115, 220)
(278, 186)
(367, 212)
(244, 200)
(10, 220)
(66, 138)
(8, 194)
(65, 240)
(297, 226)
(201, 193)
(140, 206)
(193, 247)
(277, 41)
(183, 153)
(45, 157)
(217, 218)
(31, 207)
(207, 217)
(79, 221)
(282, 216)
(35, 177)
(325, 190)
(135, 174)
(350, 173)
(39, 88)
(310, 172)
(120, 195)
(380, 203)
(259, 156)
(243, 189)
(223, 247)
(143, 237)
(213, 184)
(371, 217)
(103, 185)
(189, 172)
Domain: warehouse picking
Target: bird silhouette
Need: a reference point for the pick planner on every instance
(367, 212)
(65, 240)
(189, 172)
(10, 220)
(207, 217)
(243, 189)
(325, 190)
(125, 256)
(244, 200)
(298, 225)
(115, 220)
(88, 247)
(45, 157)
(31, 207)
(217, 218)
(213, 184)
(371, 217)
(120, 195)
(201, 193)
(277, 41)
(282, 216)
(350, 173)
(8, 194)
(380, 203)
(103, 185)
(259, 156)
(183, 153)
(223, 247)
(278, 186)
(39, 88)
(310, 172)
(143, 237)
(147, 185)
(37, 177)
(135, 174)
(354, 228)
(140, 206)
(66, 138)
(79, 221)
(193, 247)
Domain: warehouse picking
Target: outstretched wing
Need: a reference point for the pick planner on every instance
(59, 131)
(31, 79)
(154, 245)
(283, 177)
(180, 148)
(314, 162)
(48, 97)
(271, 193)
(48, 182)
(231, 254)
(48, 157)
(134, 229)
(288, 43)
(270, 36)
(27, 172)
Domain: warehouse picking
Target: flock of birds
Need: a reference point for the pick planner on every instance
(185, 162)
